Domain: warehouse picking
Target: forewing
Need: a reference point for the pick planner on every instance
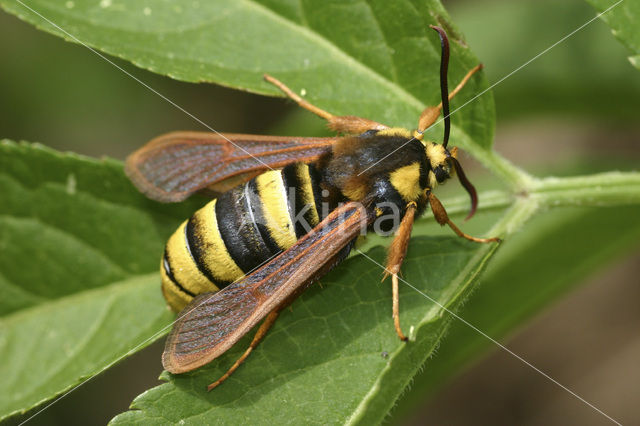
(173, 166)
(213, 322)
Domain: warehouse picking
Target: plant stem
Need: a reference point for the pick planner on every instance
(489, 200)
(602, 189)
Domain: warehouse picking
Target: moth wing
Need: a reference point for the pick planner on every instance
(213, 322)
(173, 166)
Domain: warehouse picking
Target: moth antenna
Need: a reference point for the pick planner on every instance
(444, 89)
(467, 185)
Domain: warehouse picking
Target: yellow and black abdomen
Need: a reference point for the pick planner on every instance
(242, 229)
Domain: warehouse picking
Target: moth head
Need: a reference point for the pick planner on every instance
(443, 165)
(444, 162)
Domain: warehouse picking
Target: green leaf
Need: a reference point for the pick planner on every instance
(571, 243)
(78, 245)
(376, 61)
(56, 345)
(90, 221)
(101, 241)
(623, 19)
(326, 359)
(386, 57)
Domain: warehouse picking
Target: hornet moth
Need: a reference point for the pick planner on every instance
(287, 210)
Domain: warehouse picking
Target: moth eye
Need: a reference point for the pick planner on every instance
(441, 174)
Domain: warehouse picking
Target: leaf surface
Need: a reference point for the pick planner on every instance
(386, 57)
(623, 19)
(388, 72)
(335, 357)
(542, 262)
(78, 271)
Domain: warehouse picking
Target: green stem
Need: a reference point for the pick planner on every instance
(489, 200)
(602, 189)
(522, 210)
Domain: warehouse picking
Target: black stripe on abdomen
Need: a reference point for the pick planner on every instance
(196, 249)
(316, 178)
(301, 197)
(166, 264)
(254, 207)
(239, 217)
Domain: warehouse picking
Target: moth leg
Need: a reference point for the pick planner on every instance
(262, 331)
(349, 124)
(395, 256)
(431, 113)
(443, 219)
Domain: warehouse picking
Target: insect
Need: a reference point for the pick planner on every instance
(287, 211)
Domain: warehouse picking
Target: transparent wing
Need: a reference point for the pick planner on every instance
(173, 166)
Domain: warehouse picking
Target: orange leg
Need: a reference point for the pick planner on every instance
(443, 219)
(349, 124)
(262, 331)
(431, 113)
(397, 252)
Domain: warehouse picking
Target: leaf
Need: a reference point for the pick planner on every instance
(326, 359)
(64, 331)
(56, 345)
(516, 287)
(376, 61)
(623, 19)
(77, 290)
(385, 54)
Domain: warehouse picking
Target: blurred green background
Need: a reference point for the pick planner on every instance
(573, 110)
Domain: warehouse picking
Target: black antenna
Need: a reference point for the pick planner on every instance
(467, 186)
(444, 89)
